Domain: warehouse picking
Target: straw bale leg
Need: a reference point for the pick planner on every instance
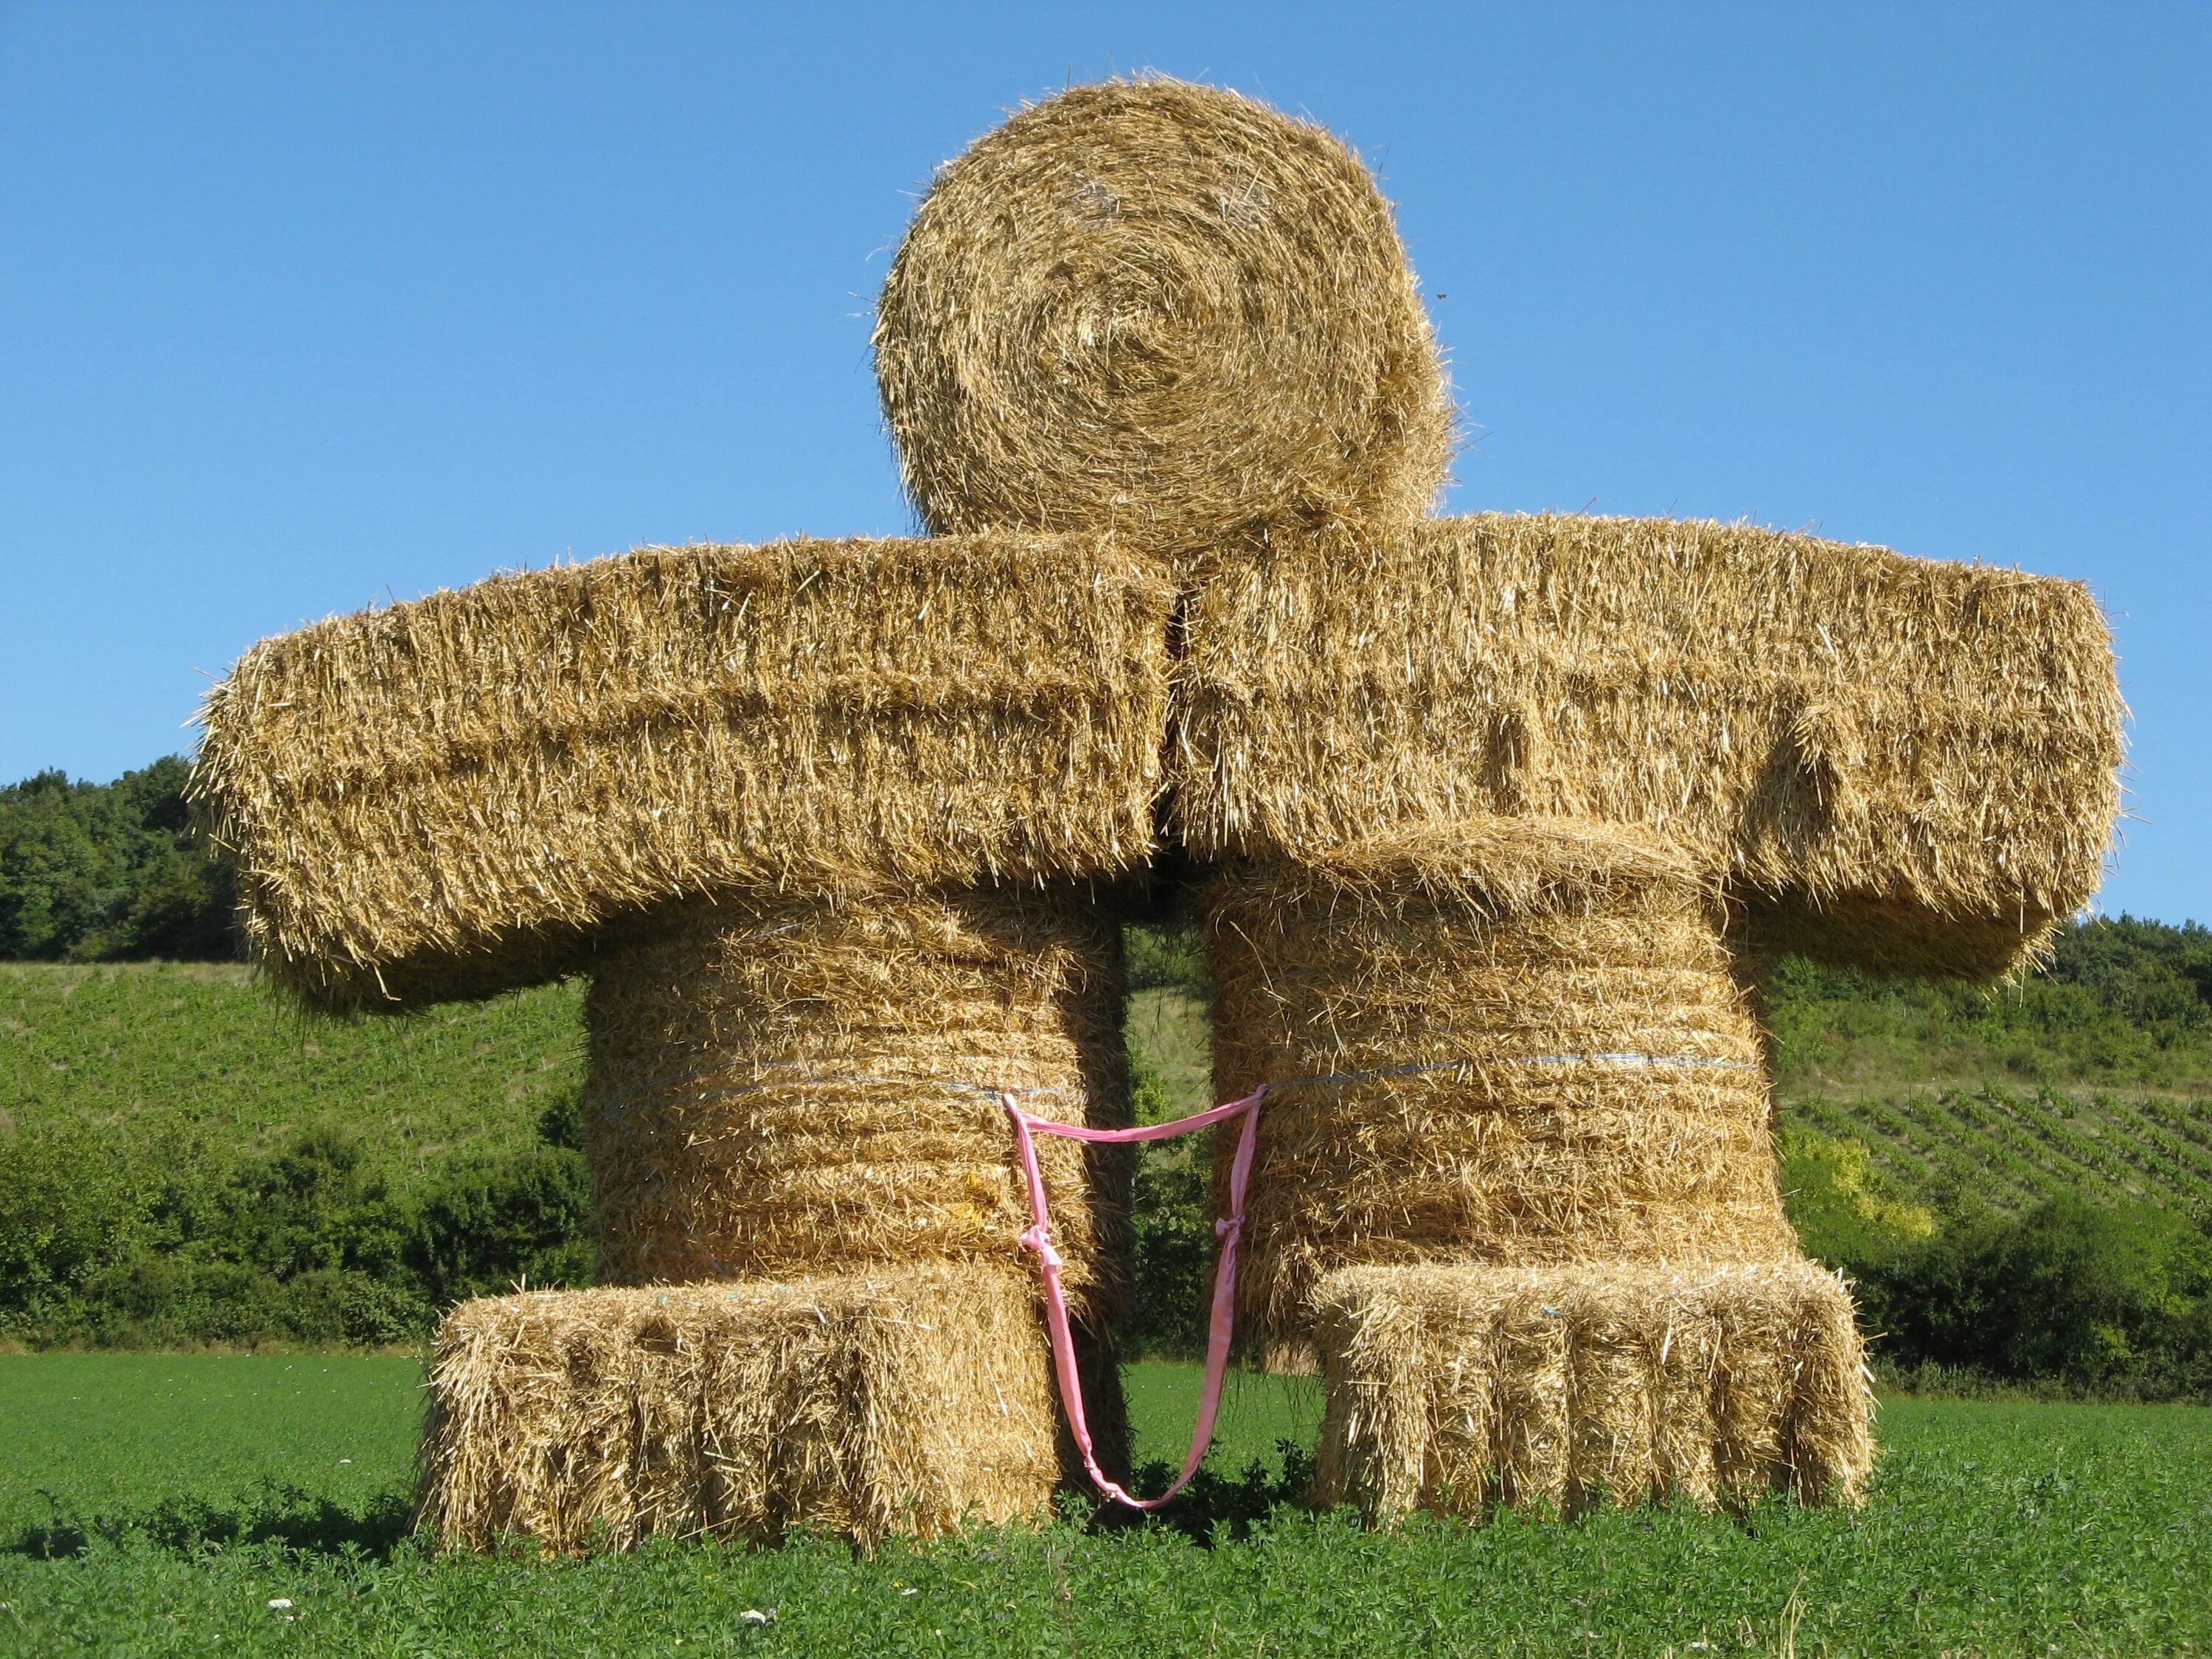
(865, 1405)
(1534, 1078)
(785, 1087)
(1452, 1388)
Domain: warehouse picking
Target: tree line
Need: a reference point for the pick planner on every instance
(111, 873)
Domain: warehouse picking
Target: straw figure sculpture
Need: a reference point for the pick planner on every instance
(1494, 820)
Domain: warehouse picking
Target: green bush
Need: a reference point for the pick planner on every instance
(1168, 956)
(306, 1246)
(1172, 1219)
(488, 1227)
(70, 1204)
(1836, 1207)
(2110, 1300)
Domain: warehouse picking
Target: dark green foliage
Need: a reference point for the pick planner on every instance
(309, 1245)
(1169, 955)
(2113, 1300)
(275, 1513)
(304, 1245)
(1216, 1508)
(488, 1226)
(71, 1203)
(310, 1208)
(2197, 969)
(184, 1160)
(561, 1122)
(2109, 1301)
(1172, 1219)
(102, 873)
(1837, 1203)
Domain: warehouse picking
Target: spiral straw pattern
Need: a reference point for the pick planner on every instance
(1163, 310)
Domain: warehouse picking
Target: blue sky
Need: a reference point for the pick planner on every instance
(304, 306)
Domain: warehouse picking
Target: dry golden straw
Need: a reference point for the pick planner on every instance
(1161, 309)
(1452, 1388)
(1898, 762)
(1504, 808)
(785, 1086)
(1594, 1089)
(864, 1406)
(447, 797)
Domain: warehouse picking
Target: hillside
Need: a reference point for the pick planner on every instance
(2009, 1151)
(183, 1160)
(156, 1054)
(2093, 1079)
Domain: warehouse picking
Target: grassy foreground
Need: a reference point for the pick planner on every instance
(2001, 1529)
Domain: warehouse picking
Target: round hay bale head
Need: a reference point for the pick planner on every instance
(1163, 309)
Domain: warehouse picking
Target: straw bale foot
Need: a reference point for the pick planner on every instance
(863, 1404)
(1452, 1388)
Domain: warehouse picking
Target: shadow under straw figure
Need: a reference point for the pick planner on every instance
(1495, 816)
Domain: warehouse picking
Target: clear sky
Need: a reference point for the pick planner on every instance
(302, 307)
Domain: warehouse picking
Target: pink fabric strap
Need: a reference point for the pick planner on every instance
(1228, 1229)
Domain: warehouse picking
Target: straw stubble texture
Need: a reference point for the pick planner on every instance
(452, 797)
(1594, 1088)
(787, 1086)
(861, 1405)
(1454, 1388)
(1898, 762)
(1161, 309)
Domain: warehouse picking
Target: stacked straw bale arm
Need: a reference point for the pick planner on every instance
(1824, 726)
(820, 820)
(457, 796)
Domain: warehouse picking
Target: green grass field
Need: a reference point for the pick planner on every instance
(133, 1487)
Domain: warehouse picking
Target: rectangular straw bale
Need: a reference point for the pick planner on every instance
(1905, 763)
(1526, 1345)
(864, 1405)
(1452, 1388)
(445, 798)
